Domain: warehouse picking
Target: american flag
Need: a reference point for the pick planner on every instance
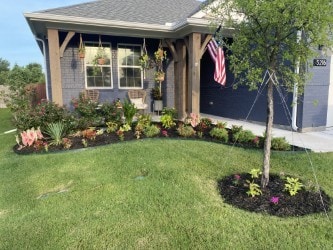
(217, 55)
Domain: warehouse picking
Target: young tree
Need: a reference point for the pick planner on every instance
(273, 35)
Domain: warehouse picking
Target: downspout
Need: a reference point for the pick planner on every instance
(295, 92)
(45, 65)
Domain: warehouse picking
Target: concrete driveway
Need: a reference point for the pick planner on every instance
(315, 141)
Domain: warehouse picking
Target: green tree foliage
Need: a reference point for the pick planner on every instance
(17, 79)
(21, 76)
(265, 38)
(4, 69)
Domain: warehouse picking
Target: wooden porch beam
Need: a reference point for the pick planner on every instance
(204, 45)
(63, 46)
(194, 73)
(55, 67)
(172, 50)
(180, 79)
(186, 40)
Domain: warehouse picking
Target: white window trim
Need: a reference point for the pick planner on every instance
(129, 44)
(104, 66)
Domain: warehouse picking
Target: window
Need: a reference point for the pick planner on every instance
(98, 76)
(129, 69)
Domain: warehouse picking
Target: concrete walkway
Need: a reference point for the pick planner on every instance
(315, 141)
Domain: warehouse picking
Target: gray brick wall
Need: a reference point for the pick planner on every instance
(73, 79)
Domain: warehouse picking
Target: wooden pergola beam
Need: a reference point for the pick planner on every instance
(63, 46)
(204, 45)
(172, 50)
(55, 67)
(194, 73)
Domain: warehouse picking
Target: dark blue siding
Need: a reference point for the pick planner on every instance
(236, 103)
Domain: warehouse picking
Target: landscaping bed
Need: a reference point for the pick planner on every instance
(274, 200)
(109, 138)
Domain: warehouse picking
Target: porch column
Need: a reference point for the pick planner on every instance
(55, 68)
(194, 73)
(180, 79)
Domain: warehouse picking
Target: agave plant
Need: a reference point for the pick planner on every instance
(56, 131)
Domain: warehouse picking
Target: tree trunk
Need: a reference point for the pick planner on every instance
(268, 138)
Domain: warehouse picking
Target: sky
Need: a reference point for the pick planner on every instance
(17, 43)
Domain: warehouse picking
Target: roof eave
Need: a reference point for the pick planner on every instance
(40, 22)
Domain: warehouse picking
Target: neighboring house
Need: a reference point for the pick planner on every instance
(123, 26)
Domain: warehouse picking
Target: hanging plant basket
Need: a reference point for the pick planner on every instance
(82, 49)
(100, 55)
(159, 76)
(101, 61)
(82, 55)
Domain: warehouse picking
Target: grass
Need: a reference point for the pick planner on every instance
(98, 199)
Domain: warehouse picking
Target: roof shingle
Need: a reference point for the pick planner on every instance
(139, 11)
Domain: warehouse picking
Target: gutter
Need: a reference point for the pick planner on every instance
(295, 92)
(45, 65)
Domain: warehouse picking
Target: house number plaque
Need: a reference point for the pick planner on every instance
(320, 62)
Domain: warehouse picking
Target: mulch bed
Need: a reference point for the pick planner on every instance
(111, 138)
(303, 203)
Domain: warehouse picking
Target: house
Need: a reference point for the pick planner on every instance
(125, 28)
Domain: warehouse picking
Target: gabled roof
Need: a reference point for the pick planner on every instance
(139, 11)
(145, 18)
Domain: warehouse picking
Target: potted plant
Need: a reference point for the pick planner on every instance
(82, 51)
(157, 97)
(159, 76)
(144, 62)
(100, 56)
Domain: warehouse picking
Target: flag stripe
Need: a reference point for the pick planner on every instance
(217, 56)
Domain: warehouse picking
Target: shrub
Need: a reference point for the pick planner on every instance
(111, 112)
(185, 131)
(144, 120)
(221, 125)
(56, 131)
(112, 127)
(246, 136)
(129, 111)
(167, 121)
(220, 134)
(170, 111)
(85, 107)
(41, 115)
(240, 135)
(280, 143)
(151, 131)
(89, 134)
(205, 123)
(293, 185)
(67, 143)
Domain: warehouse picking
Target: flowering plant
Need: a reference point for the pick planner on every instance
(30, 136)
(236, 180)
(274, 200)
(193, 119)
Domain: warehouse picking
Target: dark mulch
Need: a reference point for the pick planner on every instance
(303, 203)
(111, 138)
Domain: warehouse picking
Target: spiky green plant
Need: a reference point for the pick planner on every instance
(56, 131)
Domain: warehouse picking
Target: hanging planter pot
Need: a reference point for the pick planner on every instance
(159, 76)
(101, 61)
(82, 49)
(100, 55)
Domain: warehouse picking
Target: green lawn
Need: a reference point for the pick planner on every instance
(93, 199)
